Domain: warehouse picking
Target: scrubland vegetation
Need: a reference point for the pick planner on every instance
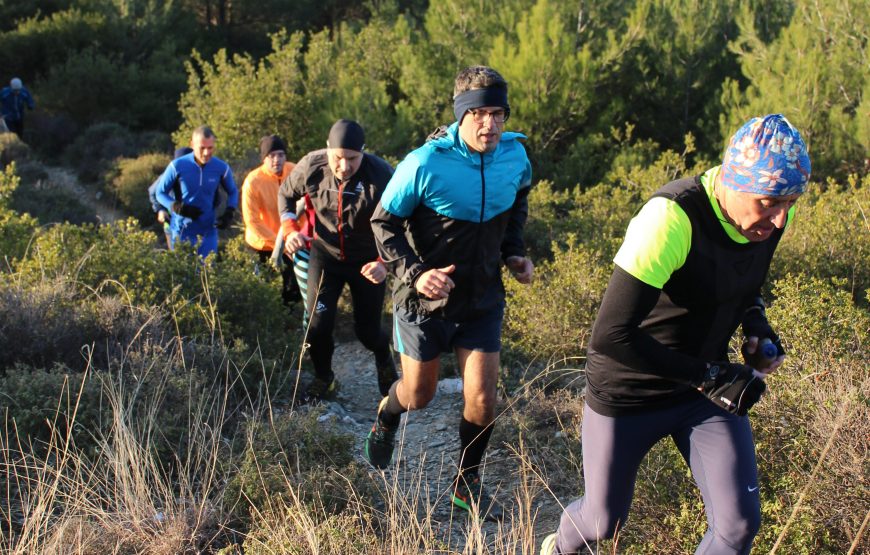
(147, 399)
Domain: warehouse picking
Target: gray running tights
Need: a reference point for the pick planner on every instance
(717, 446)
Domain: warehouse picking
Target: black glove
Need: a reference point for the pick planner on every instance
(186, 210)
(226, 219)
(755, 324)
(731, 386)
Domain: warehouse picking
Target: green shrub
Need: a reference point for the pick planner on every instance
(129, 179)
(830, 236)
(139, 90)
(818, 321)
(40, 402)
(219, 302)
(31, 171)
(57, 322)
(12, 149)
(38, 42)
(552, 317)
(98, 147)
(49, 133)
(292, 457)
(597, 216)
(17, 230)
(47, 198)
(818, 398)
(295, 530)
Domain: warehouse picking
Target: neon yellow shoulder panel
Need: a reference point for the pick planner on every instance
(658, 238)
(656, 243)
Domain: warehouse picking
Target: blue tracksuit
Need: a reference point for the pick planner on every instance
(198, 187)
(12, 104)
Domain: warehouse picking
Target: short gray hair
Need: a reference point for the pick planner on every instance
(478, 77)
(203, 131)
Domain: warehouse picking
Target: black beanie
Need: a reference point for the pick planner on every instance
(271, 143)
(347, 134)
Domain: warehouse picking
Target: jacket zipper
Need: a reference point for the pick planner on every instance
(482, 188)
(477, 235)
(340, 234)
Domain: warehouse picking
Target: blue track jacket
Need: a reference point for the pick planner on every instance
(449, 205)
(12, 105)
(198, 186)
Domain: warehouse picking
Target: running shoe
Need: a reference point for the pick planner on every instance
(319, 389)
(548, 546)
(378, 448)
(469, 494)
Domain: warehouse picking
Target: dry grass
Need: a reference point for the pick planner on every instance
(126, 492)
(122, 500)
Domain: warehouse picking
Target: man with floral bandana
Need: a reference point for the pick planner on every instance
(688, 273)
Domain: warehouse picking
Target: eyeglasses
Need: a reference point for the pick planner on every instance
(498, 116)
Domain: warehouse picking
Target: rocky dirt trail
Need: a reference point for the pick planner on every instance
(427, 451)
(105, 208)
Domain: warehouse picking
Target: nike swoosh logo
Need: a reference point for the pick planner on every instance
(750, 490)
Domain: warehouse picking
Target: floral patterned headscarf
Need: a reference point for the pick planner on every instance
(767, 157)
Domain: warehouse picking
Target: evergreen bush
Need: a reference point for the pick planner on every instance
(12, 149)
(129, 179)
(97, 148)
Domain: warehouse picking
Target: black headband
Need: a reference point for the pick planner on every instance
(477, 98)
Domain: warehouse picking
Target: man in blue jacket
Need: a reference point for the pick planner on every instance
(452, 213)
(189, 188)
(163, 216)
(13, 100)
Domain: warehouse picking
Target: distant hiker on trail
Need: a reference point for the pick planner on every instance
(189, 188)
(260, 209)
(452, 214)
(13, 100)
(163, 215)
(344, 184)
(689, 271)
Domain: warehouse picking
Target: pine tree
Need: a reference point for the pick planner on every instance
(815, 72)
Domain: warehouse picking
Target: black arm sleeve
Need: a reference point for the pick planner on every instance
(617, 334)
(755, 323)
(292, 189)
(393, 246)
(512, 244)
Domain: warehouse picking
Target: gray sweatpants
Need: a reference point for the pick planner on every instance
(718, 447)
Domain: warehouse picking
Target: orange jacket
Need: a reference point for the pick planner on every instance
(260, 206)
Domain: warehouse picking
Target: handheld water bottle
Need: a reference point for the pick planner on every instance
(765, 353)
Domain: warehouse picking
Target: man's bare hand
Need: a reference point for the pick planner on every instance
(374, 271)
(296, 241)
(436, 283)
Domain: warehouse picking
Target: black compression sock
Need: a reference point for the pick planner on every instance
(473, 440)
(392, 412)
